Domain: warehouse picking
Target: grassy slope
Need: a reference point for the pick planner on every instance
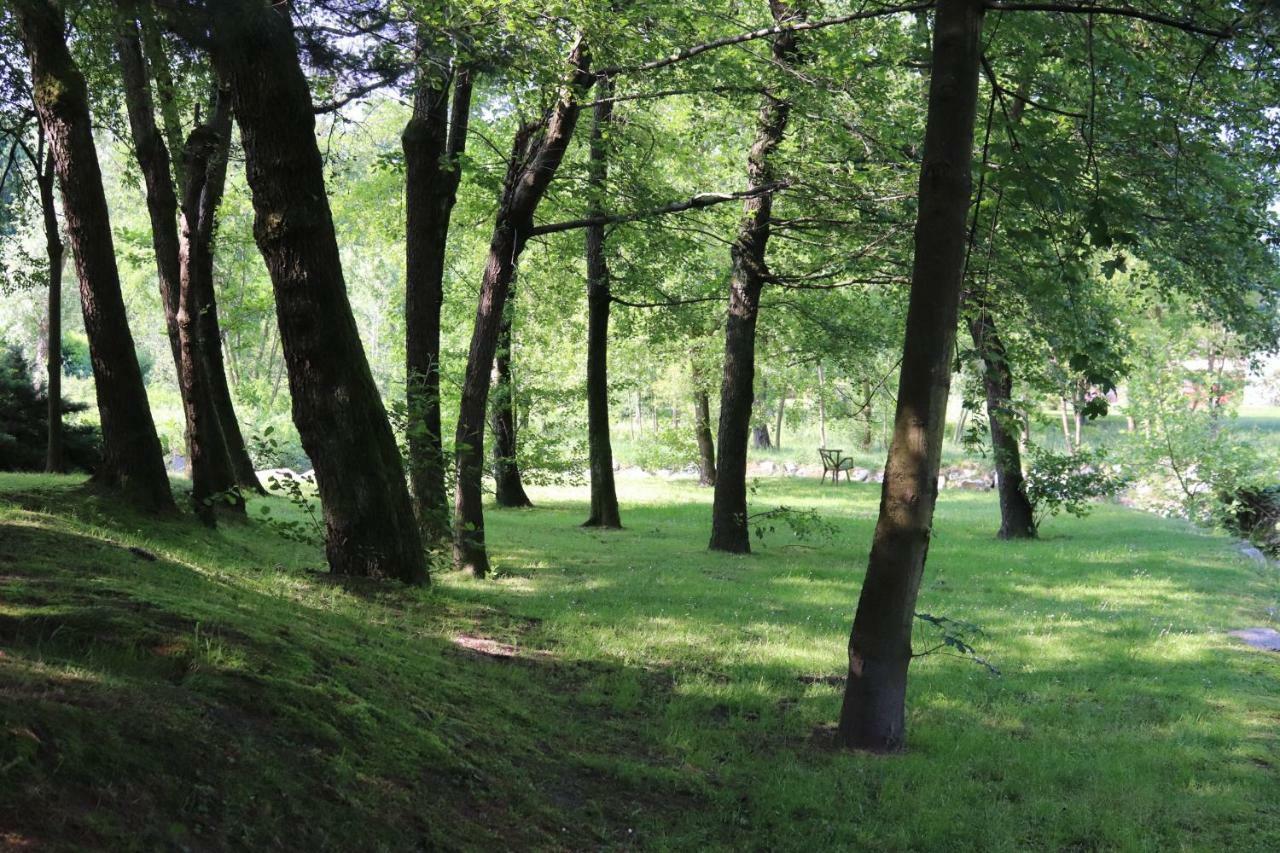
(227, 695)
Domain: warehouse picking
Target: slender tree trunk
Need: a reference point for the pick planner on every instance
(604, 494)
(1017, 520)
(782, 407)
(702, 428)
(212, 478)
(868, 416)
(432, 140)
(54, 250)
(166, 92)
(153, 162)
(132, 461)
(508, 485)
(873, 713)
(210, 337)
(1066, 426)
(729, 531)
(822, 407)
(533, 164)
(369, 523)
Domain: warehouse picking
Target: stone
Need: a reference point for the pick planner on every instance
(974, 485)
(859, 475)
(1267, 639)
(1253, 554)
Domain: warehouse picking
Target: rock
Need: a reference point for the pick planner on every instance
(942, 482)
(767, 467)
(876, 477)
(1253, 554)
(974, 485)
(1267, 639)
(664, 473)
(859, 475)
(791, 468)
(178, 463)
(309, 474)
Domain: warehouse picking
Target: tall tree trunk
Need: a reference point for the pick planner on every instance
(132, 461)
(369, 523)
(868, 416)
(1066, 426)
(433, 141)
(873, 713)
(210, 337)
(166, 92)
(534, 161)
(153, 162)
(55, 251)
(604, 494)
(1017, 521)
(782, 408)
(508, 485)
(729, 531)
(213, 474)
(212, 479)
(702, 429)
(822, 408)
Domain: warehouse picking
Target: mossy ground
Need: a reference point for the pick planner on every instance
(623, 689)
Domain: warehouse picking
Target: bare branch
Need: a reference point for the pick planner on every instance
(696, 203)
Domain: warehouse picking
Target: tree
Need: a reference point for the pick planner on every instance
(132, 462)
(872, 715)
(433, 141)
(508, 486)
(536, 154)
(604, 495)
(369, 523)
(729, 531)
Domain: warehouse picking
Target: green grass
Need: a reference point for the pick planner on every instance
(229, 695)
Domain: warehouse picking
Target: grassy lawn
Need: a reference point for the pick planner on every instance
(624, 689)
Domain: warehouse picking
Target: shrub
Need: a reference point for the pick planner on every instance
(672, 449)
(1253, 511)
(1065, 482)
(24, 422)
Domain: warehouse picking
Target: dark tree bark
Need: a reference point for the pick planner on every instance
(210, 337)
(1017, 520)
(604, 493)
(153, 162)
(132, 461)
(702, 429)
(535, 157)
(369, 523)
(873, 713)
(433, 139)
(54, 250)
(729, 530)
(868, 436)
(508, 485)
(214, 480)
(760, 436)
(166, 92)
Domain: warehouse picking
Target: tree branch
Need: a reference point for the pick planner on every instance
(1119, 11)
(697, 202)
(789, 27)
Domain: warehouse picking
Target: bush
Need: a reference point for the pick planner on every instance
(1065, 482)
(24, 422)
(672, 449)
(1253, 512)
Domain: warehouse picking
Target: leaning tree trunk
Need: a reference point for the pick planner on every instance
(1017, 521)
(213, 476)
(54, 460)
(702, 429)
(370, 529)
(604, 493)
(533, 164)
(873, 713)
(508, 485)
(153, 162)
(210, 337)
(729, 530)
(132, 461)
(432, 141)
